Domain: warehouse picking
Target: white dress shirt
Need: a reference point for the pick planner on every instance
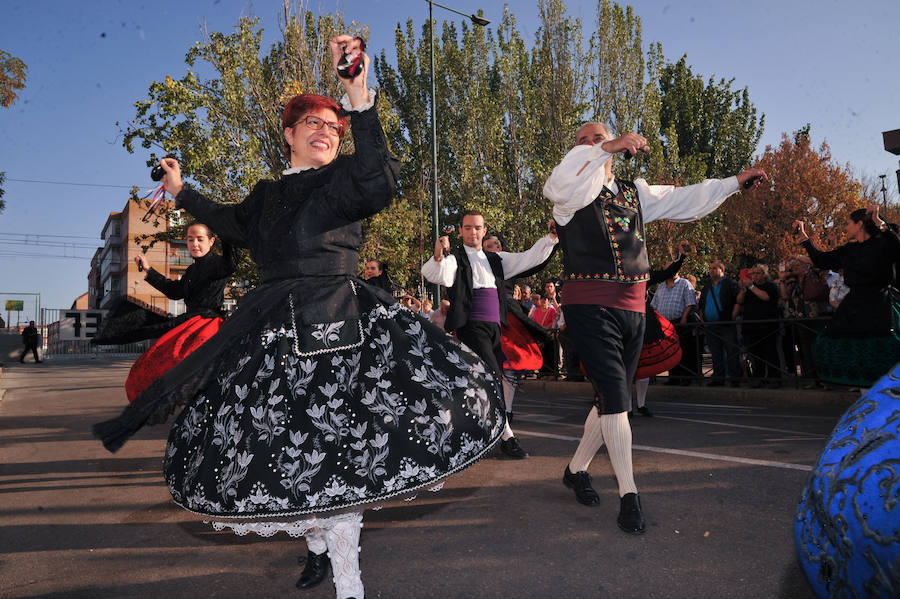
(444, 272)
(579, 178)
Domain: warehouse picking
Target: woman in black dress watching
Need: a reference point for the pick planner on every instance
(320, 395)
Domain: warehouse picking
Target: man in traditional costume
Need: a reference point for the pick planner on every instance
(475, 280)
(600, 222)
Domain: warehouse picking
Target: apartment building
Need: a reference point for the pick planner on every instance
(113, 271)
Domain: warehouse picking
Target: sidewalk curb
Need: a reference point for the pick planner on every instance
(723, 395)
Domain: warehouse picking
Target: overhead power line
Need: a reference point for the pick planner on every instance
(71, 183)
(8, 254)
(51, 244)
(51, 235)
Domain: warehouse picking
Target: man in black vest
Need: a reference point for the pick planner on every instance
(474, 279)
(600, 222)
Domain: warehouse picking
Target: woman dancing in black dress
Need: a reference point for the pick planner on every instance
(859, 345)
(202, 288)
(320, 395)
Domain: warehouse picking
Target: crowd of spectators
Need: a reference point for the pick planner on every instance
(756, 327)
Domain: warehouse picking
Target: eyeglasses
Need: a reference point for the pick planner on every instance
(315, 123)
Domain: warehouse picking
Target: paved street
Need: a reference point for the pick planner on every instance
(719, 475)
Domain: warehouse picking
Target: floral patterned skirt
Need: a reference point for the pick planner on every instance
(318, 419)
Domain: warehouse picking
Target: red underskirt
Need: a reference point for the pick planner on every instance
(169, 350)
(662, 355)
(521, 350)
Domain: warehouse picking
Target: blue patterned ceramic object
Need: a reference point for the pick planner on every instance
(847, 529)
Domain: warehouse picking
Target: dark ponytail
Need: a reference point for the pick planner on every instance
(861, 215)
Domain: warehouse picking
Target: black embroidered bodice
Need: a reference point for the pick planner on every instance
(306, 225)
(202, 285)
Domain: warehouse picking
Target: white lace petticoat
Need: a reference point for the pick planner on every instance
(296, 528)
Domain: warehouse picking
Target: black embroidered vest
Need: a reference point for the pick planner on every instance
(461, 292)
(604, 241)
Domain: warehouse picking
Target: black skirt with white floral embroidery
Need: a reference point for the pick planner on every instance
(293, 418)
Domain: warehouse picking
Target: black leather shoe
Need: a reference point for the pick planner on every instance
(631, 517)
(645, 411)
(511, 448)
(315, 571)
(580, 482)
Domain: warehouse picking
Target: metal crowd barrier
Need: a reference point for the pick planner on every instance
(793, 339)
(82, 347)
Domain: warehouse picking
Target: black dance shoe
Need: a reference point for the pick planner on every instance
(580, 482)
(315, 571)
(645, 411)
(512, 449)
(631, 517)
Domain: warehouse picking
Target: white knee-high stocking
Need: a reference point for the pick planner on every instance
(615, 430)
(591, 442)
(640, 387)
(509, 391)
(617, 433)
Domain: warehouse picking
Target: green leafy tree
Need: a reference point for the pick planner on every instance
(506, 113)
(707, 130)
(225, 129)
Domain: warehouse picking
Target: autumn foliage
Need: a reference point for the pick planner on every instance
(805, 184)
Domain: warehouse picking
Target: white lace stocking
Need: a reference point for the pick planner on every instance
(315, 541)
(338, 535)
(342, 537)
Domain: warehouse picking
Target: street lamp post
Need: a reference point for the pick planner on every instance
(434, 151)
(883, 191)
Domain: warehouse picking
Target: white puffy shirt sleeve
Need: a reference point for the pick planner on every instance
(683, 204)
(576, 181)
(518, 262)
(440, 273)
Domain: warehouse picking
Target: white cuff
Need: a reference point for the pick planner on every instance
(345, 102)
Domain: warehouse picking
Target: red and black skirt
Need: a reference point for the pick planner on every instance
(169, 350)
(661, 351)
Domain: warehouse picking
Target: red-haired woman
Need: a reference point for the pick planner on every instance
(320, 395)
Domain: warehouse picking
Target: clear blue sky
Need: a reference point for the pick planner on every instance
(831, 63)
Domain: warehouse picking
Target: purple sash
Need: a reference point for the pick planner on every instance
(485, 305)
